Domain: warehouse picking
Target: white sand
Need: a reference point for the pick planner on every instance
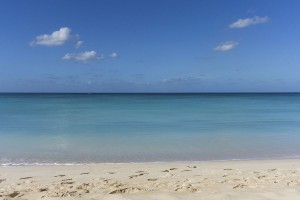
(270, 180)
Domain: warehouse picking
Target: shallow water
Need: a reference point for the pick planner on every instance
(92, 128)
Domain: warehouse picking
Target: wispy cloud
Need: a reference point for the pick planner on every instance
(242, 23)
(184, 78)
(56, 38)
(78, 44)
(84, 57)
(113, 55)
(226, 46)
(138, 76)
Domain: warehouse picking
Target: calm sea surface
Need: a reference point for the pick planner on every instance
(93, 128)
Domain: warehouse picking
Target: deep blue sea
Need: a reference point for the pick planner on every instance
(97, 128)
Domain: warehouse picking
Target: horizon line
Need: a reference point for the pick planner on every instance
(149, 92)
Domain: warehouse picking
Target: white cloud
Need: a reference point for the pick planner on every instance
(78, 44)
(54, 39)
(83, 57)
(242, 23)
(113, 55)
(226, 46)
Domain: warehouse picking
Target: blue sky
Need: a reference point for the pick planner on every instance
(150, 46)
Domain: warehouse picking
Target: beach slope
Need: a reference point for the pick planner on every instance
(263, 179)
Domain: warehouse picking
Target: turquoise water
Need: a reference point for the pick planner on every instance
(93, 128)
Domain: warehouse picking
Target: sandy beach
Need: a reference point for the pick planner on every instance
(263, 179)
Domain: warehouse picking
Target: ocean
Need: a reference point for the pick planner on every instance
(38, 129)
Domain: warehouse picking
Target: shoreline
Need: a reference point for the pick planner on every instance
(150, 162)
(246, 179)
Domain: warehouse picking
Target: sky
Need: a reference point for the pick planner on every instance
(149, 46)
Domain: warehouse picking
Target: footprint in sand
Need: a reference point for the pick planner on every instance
(61, 175)
(2, 180)
(135, 175)
(106, 180)
(14, 194)
(272, 170)
(260, 177)
(126, 190)
(239, 186)
(85, 173)
(140, 173)
(26, 178)
(152, 179)
(67, 183)
(43, 189)
(68, 179)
